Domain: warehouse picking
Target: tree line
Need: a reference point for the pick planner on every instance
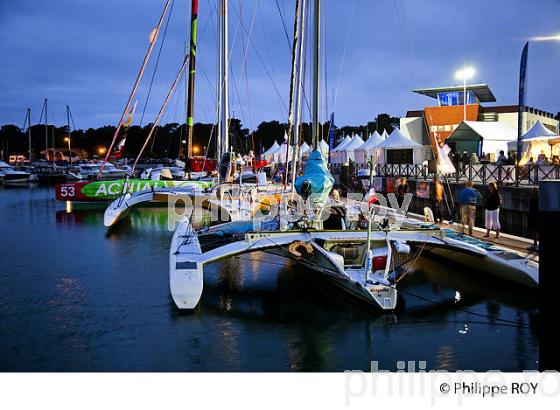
(168, 140)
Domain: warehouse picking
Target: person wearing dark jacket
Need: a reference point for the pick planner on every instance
(492, 203)
(436, 196)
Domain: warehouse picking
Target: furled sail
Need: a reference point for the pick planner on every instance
(316, 183)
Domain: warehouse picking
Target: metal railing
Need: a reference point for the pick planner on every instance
(480, 173)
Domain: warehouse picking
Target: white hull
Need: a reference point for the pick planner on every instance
(187, 260)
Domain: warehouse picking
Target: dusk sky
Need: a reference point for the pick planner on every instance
(87, 53)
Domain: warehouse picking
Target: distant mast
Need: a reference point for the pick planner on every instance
(29, 134)
(192, 64)
(46, 132)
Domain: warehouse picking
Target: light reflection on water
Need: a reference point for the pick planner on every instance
(76, 297)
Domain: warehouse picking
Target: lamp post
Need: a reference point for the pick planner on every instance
(465, 74)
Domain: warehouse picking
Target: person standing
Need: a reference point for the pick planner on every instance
(402, 190)
(502, 159)
(492, 204)
(468, 199)
(437, 199)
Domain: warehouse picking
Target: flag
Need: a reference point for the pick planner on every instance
(331, 135)
(521, 107)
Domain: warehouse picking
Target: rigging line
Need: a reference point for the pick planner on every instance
(267, 71)
(267, 43)
(162, 109)
(133, 92)
(246, 71)
(25, 120)
(412, 60)
(42, 112)
(72, 119)
(474, 322)
(470, 312)
(284, 26)
(347, 38)
(157, 61)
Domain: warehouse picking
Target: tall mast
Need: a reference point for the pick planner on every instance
(192, 63)
(299, 85)
(152, 41)
(316, 49)
(225, 67)
(219, 87)
(29, 134)
(46, 130)
(292, 84)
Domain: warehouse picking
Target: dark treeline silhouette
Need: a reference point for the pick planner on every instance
(167, 139)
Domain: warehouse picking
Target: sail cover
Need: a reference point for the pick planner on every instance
(317, 181)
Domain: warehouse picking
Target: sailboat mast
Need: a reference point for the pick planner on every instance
(316, 68)
(299, 85)
(219, 86)
(46, 131)
(225, 67)
(292, 84)
(29, 134)
(192, 64)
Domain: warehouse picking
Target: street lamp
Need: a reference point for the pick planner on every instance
(465, 74)
(67, 139)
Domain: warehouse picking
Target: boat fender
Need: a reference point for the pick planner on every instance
(293, 248)
(402, 247)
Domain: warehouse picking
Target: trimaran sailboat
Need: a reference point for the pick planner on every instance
(367, 264)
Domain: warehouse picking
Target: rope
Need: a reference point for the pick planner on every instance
(157, 62)
(284, 27)
(470, 312)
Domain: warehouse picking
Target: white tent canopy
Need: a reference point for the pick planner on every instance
(336, 157)
(280, 154)
(537, 131)
(269, 152)
(493, 135)
(539, 141)
(347, 153)
(398, 141)
(304, 148)
(363, 153)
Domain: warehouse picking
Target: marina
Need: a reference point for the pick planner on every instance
(284, 203)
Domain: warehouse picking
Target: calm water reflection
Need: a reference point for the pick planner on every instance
(74, 297)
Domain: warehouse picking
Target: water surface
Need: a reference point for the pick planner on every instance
(76, 298)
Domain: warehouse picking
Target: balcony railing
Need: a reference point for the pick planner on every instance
(480, 173)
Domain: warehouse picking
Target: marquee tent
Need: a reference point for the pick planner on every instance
(399, 149)
(482, 137)
(367, 150)
(335, 154)
(348, 152)
(539, 140)
(269, 153)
